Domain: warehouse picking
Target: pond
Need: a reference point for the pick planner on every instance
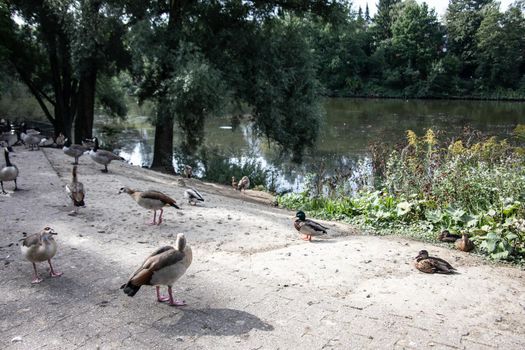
(348, 128)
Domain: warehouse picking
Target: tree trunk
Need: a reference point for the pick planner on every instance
(86, 106)
(163, 150)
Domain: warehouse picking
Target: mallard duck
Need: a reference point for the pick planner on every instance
(430, 264)
(40, 247)
(193, 196)
(162, 268)
(188, 171)
(446, 236)
(244, 184)
(9, 172)
(307, 227)
(153, 200)
(101, 156)
(464, 244)
(75, 190)
(73, 150)
(234, 182)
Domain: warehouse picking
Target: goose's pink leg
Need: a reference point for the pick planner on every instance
(160, 298)
(154, 217)
(53, 273)
(174, 302)
(160, 216)
(37, 279)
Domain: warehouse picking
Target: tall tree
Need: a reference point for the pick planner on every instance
(384, 18)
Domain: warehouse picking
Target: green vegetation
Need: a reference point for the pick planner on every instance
(473, 184)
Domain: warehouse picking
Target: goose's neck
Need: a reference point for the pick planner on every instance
(95, 148)
(7, 161)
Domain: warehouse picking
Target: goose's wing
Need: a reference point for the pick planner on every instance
(151, 194)
(161, 258)
(32, 240)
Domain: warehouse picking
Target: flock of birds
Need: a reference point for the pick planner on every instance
(167, 264)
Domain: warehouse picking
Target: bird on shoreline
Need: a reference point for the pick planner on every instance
(75, 190)
(162, 268)
(244, 184)
(40, 247)
(307, 227)
(102, 156)
(464, 244)
(431, 264)
(9, 172)
(153, 200)
(193, 196)
(73, 150)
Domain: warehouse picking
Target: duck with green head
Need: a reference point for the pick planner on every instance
(307, 227)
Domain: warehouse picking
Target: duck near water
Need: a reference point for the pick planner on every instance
(40, 247)
(9, 172)
(153, 200)
(75, 191)
(307, 227)
(102, 156)
(162, 268)
(431, 264)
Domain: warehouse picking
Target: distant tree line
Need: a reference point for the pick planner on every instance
(197, 59)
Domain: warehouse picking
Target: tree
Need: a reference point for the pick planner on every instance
(384, 18)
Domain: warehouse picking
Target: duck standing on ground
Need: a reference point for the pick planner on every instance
(431, 264)
(464, 244)
(153, 200)
(162, 268)
(9, 172)
(307, 227)
(73, 150)
(75, 190)
(244, 184)
(193, 196)
(102, 157)
(40, 247)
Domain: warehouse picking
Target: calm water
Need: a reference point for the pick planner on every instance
(348, 128)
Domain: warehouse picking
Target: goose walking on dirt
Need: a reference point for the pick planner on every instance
(75, 191)
(40, 247)
(102, 156)
(243, 184)
(307, 227)
(193, 196)
(9, 172)
(162, 268)
(432, 264)
(153, 200)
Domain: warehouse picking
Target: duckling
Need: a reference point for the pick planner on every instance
(188, 171)
(234, 182)
(40, 247)
(193, 196)
(430, 264)
(163, 267)
(9, 172)
(153, 200)
(75, 190)
(102, 157)
(244, 184)
(73, 150)
(307, 227)
(464, 244)
(446, 236)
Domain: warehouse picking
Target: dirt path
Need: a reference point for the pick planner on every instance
(253, 283)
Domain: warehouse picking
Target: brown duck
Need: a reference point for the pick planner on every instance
(464, 244)
(446, 236)
(431, 264)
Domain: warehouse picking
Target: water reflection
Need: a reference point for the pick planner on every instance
(348, 129)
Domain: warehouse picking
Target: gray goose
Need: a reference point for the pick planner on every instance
(153, 200)
(75, 191)
(73, 150)
(307, 227)
(40, 247)
(193, 196)
(102, 156)
(243, 184)
(162, 268)
(9, 172)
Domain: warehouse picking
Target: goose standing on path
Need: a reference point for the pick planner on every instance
(431, 264)
(193, 196)
(162, 268)
(102, 156)
(9, 172)
(244, 184)
(75, 190)
(73, 150)
(40, 247)
(153, 200)
(307, 227)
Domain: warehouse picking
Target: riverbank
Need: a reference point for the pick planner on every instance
(253, 283)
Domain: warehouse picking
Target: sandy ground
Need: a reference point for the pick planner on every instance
(253, 284)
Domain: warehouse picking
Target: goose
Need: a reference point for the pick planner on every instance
(60, 140)
(188, 171)
(9, 172)
(163, 267)
(153, 200)
(9, 136)
(446, 236)
(234, 182)
(73, 150)
(193, 196)
(75, 191)
(244, 184)
(431, 264)
(31, 137)
(102, 157)
(40, 247)
(464, 244)
(307, 227)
